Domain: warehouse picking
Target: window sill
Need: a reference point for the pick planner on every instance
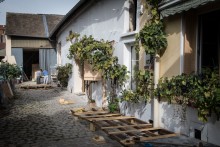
(129, 34)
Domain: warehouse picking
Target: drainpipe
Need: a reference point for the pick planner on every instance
(182, 45)
(155, 100)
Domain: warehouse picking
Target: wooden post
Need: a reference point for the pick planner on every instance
(83, 81)
(91, 127)
(132, 121)
(104, 98)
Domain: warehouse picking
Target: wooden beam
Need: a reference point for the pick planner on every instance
(92, 127)
(115, 124)
(91, 112)
(127, 126)
(150, 134)
(111, 118)
(157, 137)
(133, 130)
(101, 115)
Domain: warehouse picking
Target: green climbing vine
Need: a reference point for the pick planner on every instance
(144, 85)
(63, 74)
(100, 55)
(152, 36)
(153, 39)
(201, 91)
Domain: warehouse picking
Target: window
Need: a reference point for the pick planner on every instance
(134, 66)
(209, 41)
(197, 134)
(132, 15)
(59, 53)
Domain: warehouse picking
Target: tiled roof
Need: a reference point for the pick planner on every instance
(31, 25)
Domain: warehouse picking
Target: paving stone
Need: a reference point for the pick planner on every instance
(36, 119)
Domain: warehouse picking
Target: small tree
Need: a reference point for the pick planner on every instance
(9, 71)
(63, 74)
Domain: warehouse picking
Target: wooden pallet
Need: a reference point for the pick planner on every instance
(127, 130)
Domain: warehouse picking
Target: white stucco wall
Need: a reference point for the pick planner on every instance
(102, 20)
(108, 20)
(172, 118)
(140, 110)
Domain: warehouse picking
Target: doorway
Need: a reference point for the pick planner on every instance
(30, 58)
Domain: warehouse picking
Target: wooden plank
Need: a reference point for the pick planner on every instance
(148, 133)
(133, 130)
(157, 137)
(100, 115)
(121, 129)
(138, 127)
(111, 118)
(139, 121)
(127, 122)
(92, 127)
(91, 112)
(127, 126)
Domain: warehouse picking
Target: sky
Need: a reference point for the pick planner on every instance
(36, 7)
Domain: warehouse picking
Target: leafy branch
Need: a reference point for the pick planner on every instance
(100, 55)
(200, 91)
(63, 74)
(9, 71)
(152, 36)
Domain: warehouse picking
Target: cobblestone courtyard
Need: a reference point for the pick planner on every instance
(37, 119)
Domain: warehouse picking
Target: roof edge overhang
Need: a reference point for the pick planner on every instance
(25, 36)
(168, 4)
(66, 18)
(172, 7)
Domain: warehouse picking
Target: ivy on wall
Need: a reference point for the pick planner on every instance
(201, 91)
(153, 39)
(143, 91)
(152, 36)
(99, 54)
